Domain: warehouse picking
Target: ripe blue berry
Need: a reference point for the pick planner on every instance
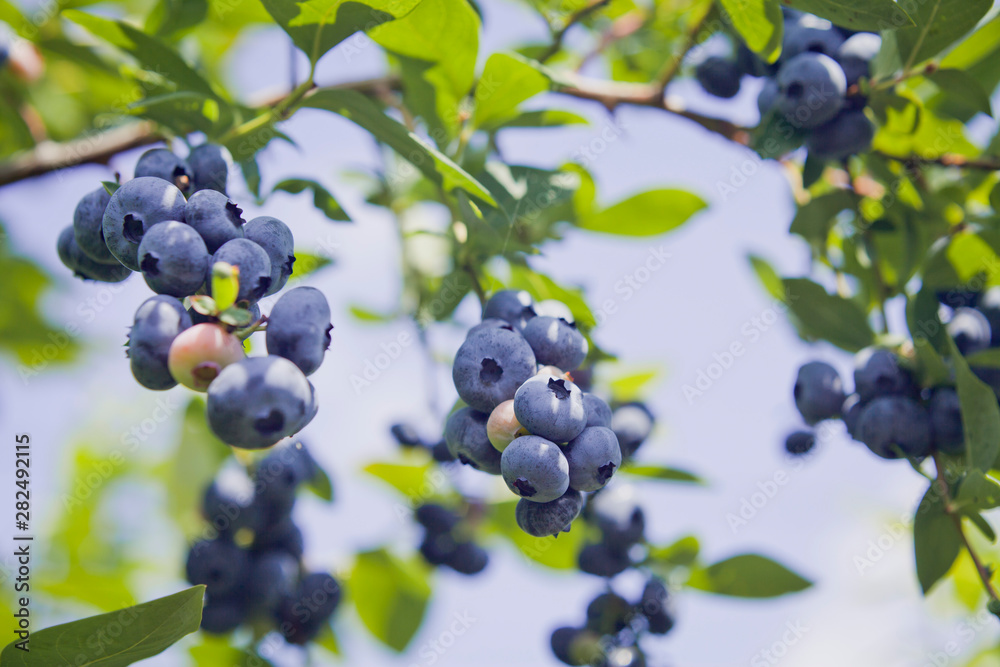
(632, 423)
(598, 411)
(218, 564)
(276, 239)
(970, 330)
(818, 391)
(88, 224)
(222, 616)
(849, 133)
(800, 442)
(719, 77)
(593, 458)
(599, 560)
(810, 34)
(513, 306)
(254, 265)
(877, 372)
(811, 89)
(173, 259)
(83, 266)
(210, 165)
(162, 163)
(157, 323)
(299, 327)
(551, 518)
(133, 209)
(301, 616)
(216, 217)
(556, 342)
(946, 420)
(550, 407)
(274, 576)
(490, 366)
(465, 433)
(856, 53)
(891, 422)
(535, 468)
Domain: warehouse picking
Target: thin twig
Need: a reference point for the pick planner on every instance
(947, 160)
(690, 41)
(574, 18)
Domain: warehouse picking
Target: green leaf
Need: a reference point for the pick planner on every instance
(213, 651)
(980, 414)
(203, 304)
(937, 24)
(759, 23)
(662, 473)
(307, 263)
(558, 553)
(236, 317)
(526, 192)
(870, 15)
(115, 639)
(413, 481)
(977, 491)
(775, 136)
(936, 541)
(225, 284)
(822, 316)
(768, 277)
(683, 552)
(964, 88)
(316, 26)
(814, 220)
(434, 165)
(110, 187)
(748, 576)
(322, 199)
(197, 457)
(171, 16)
(507, 80)
(648, 213)
(390, 595)
(631, 387)
(152, 53)
(436, 44)
(540, 119)
(543, 287)
(321, 485)
(367, 315)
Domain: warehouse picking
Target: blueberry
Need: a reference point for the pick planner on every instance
(598, 411)
(768, 96)
(210, 165)
(299, 327)
(258, 401)
(632, 423)
(220, 617)
(562, 642)
(162, 163)
(465, 433)
(274, 576)
(895, 421)
(254, 266)
(877, 372)
(490, 366)
(849, 133)
(850, 412)
(516, 307)
(615, 511)
(818, 392)
(301, 616)
(468, 558)
(961, 297)
(83, 266)
(281, 537)
(800, 442)
(556, 342)
(599, 560)
(989, 305)
(88, 224)
(551, 407)
(133, 209)
(216, 217)
(441, 453)
(719, 77)
(198, 354)
(436, 518)
(279, 475)
(158, 321)
(502, 427)
(437, 548)
(228, 503)
(970, 330)
(218, 564)
(811, 89)
(856, 53)
(608, 614)
(173, 259)
(653, 605)
(275, 238)
(551, 518)
(406, 435)
(554, 308)
(490, 323)
(810, 34)
(946, 420)
(535, 468)
(593, 458)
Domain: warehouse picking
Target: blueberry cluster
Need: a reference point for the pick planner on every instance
(252, 567)
(525, 418)
(618, 519)
(613, 628)
(174, 223)
(407, 437)
(888, 411)
(813, 85)
(446, 541)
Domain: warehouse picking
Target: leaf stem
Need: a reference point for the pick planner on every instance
(573, 19)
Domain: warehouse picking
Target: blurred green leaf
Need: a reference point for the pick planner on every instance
(171, 16)
(768, 277)
(322, 199)
(938, 23)
(543, 287)
(633, 386)
(434, 165)
(977, 491)
(307, 263)
(115, 639)
(214, 651)
(962, 87)
(436, 44)
(775, 136)
(413, 481)
(321, 485)
(197, 458)
(366, 315)
(540, 119)
(936, 541)
(558, 553)
(822, 316)
(683, 552)
(648, 213)
(507, 80)
(662, 473)
(390, 595)
(316, 26)
(814, 220)
(980, 414)
(872, 15)
(748, 576)
(759, 23)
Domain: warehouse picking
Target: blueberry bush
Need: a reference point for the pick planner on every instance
(874, 109)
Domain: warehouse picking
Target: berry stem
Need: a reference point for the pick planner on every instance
(956, 517)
